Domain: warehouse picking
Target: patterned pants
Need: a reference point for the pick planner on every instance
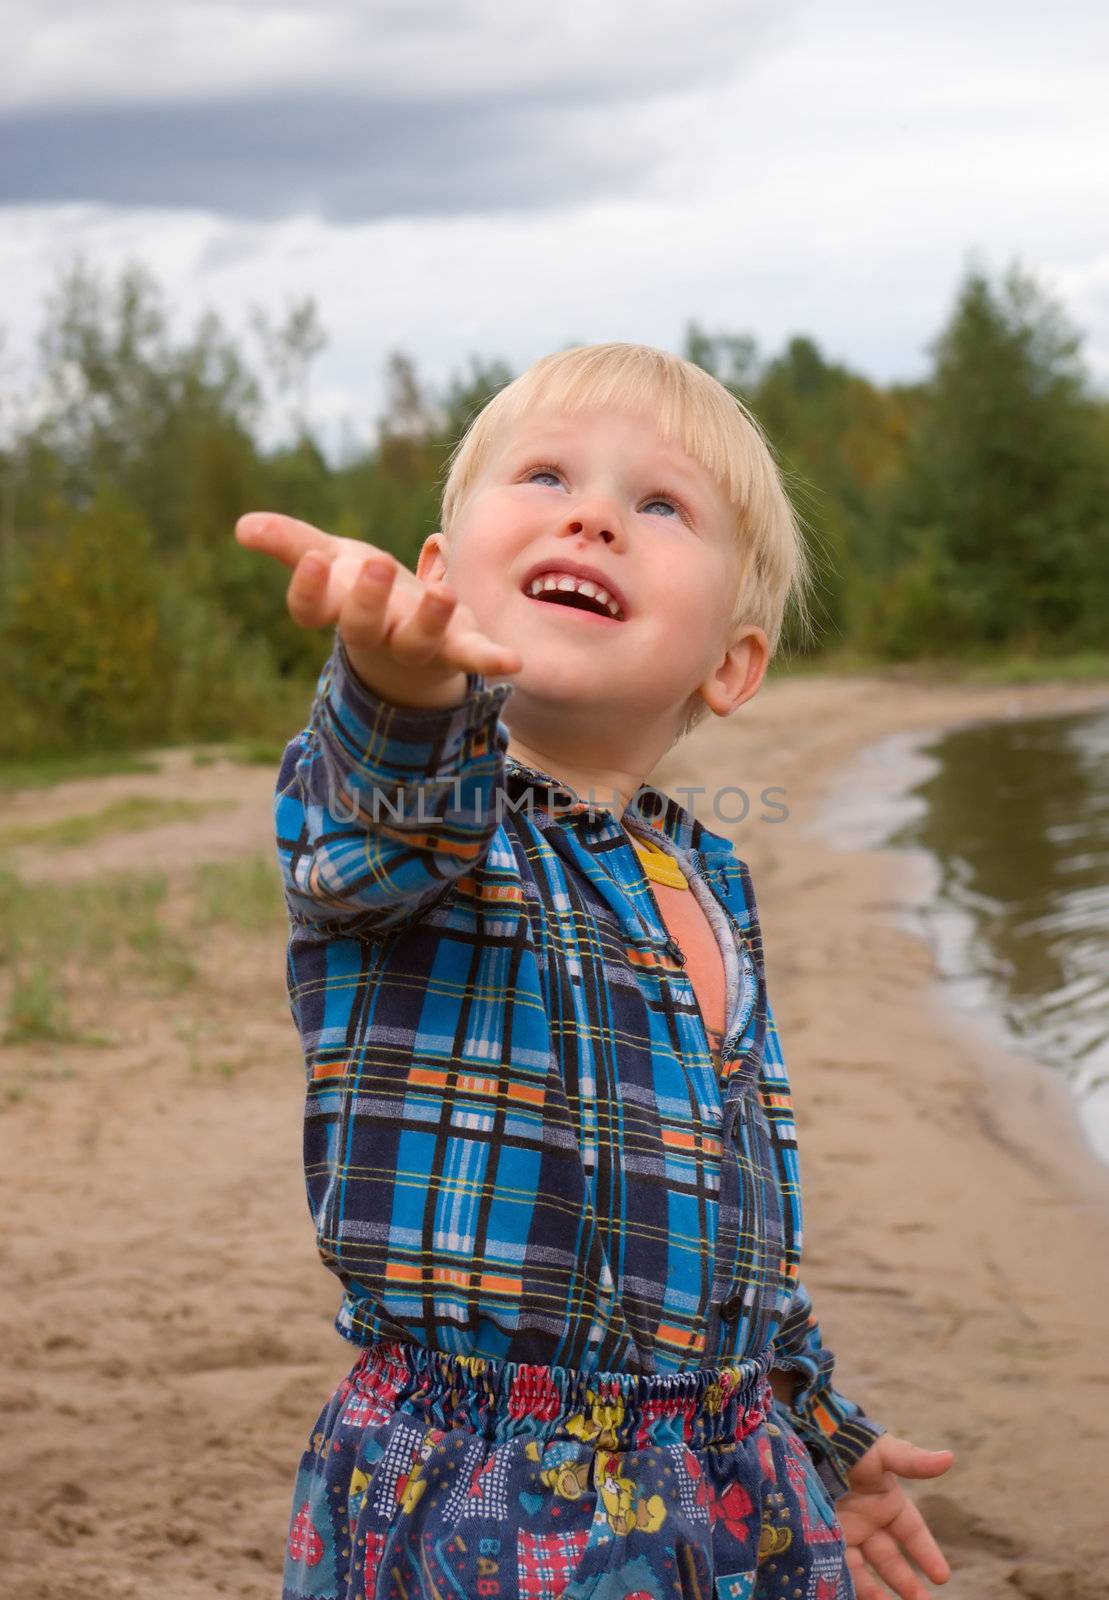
(434, 1477)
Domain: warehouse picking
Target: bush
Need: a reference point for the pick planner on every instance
(924, 609)
(106, 647)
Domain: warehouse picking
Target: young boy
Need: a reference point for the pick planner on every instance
(549, 1146)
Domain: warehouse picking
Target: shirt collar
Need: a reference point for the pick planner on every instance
(648, 810)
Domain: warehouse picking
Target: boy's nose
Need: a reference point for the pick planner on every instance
(606, 535)
(594, 522)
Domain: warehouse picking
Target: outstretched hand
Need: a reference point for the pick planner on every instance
(411, 642)
(881, 1525)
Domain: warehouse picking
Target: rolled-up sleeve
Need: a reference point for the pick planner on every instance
(380, 808)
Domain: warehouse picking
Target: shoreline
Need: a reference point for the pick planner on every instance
(167, 1312)
(956, 1215)
(903, 869)
(897, 761)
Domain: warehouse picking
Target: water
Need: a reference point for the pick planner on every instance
(1012, 888)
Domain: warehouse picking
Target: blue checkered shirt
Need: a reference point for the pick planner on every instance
(517, 1140)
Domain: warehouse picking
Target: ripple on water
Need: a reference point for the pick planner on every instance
(1006, 827)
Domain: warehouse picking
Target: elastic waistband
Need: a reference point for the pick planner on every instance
(615, 1410)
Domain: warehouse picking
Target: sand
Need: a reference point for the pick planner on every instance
(167, 1326)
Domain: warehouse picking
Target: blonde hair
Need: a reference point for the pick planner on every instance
(691, 409)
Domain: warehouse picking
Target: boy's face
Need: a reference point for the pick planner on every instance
(600, 498)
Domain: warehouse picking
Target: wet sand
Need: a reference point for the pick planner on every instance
(166, 1323)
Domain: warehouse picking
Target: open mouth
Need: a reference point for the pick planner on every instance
(577, 594)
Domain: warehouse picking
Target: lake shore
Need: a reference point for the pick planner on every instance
(957, 1220)
(168, 1325)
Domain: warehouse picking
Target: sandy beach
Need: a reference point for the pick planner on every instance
(166, 1322)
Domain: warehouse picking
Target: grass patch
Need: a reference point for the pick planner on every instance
(244, 894)
(36, 1012)
(258, 752)
(96, 923)
(96, 940)
(161, 955)
(107, 920)
(1014, 668)
(40, 772)
(1077, 668)
(244, 753)
(133, 814)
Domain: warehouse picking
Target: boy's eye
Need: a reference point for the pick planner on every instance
(661, 500)
(670, 506)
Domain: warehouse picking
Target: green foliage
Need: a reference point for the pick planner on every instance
(467, 393)
(1001, 491)
(923, 609)
(113, 651)
(732, 359)
(838, 442)
(954, 518)
(83, 624)
(128, 405)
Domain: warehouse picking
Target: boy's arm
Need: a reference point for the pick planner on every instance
(380, 808)
(835, 1430)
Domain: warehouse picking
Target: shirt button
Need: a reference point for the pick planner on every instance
(731, 1309)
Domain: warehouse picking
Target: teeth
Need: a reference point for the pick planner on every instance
(566, 584)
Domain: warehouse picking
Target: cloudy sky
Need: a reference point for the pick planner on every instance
(457, 176)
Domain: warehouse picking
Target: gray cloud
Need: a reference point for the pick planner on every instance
(355, 112)
(339, 157)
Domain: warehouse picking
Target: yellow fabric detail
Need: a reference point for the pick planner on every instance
(658, 866)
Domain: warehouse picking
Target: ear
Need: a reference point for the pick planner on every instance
(739, 672)
(431, 566)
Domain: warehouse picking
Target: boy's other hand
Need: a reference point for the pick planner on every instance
(881, 1525)
(411, 642)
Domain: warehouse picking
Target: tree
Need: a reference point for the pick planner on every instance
(289, 349)
(1003, 489)
(730, 358)
(468, 393)
(129, 405)
(838, 439)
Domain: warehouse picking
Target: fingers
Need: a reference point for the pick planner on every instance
(432, 631)
(891, 1566)
(476, 652)
(420, 631)
(911, 1460)
(284, 538)
(420, 637)
(915, 1535)
(306, 595)
(364, 611)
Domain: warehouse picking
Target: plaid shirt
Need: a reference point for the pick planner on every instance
(517, 1142)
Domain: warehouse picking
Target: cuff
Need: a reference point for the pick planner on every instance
(835, 1431)
(400, 753)
(834, 1455)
